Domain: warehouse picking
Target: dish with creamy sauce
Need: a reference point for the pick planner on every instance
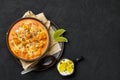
(28, 39)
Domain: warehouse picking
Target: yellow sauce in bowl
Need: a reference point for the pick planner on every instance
(65, 67)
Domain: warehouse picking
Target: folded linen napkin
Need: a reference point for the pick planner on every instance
(54, 46)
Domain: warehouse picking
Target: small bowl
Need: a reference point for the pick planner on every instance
(65, 67)
(16, 26)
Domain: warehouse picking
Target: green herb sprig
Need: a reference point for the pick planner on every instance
(58, 35)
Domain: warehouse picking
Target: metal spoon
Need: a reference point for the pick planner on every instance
(43, 64)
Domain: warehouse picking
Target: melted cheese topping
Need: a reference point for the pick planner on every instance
(28, 39)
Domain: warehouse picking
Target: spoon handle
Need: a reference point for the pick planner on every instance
(78, 59)
(27, 70)
(43, 64)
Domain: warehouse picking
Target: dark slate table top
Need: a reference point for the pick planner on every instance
(93, 30)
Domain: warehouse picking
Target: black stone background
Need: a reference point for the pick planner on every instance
(93, 30)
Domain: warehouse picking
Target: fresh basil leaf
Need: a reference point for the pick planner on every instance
(61, 39)
(58, 33)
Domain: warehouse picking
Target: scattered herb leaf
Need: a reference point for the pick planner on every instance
(61, 39)
(59, 32)
(58, 36)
